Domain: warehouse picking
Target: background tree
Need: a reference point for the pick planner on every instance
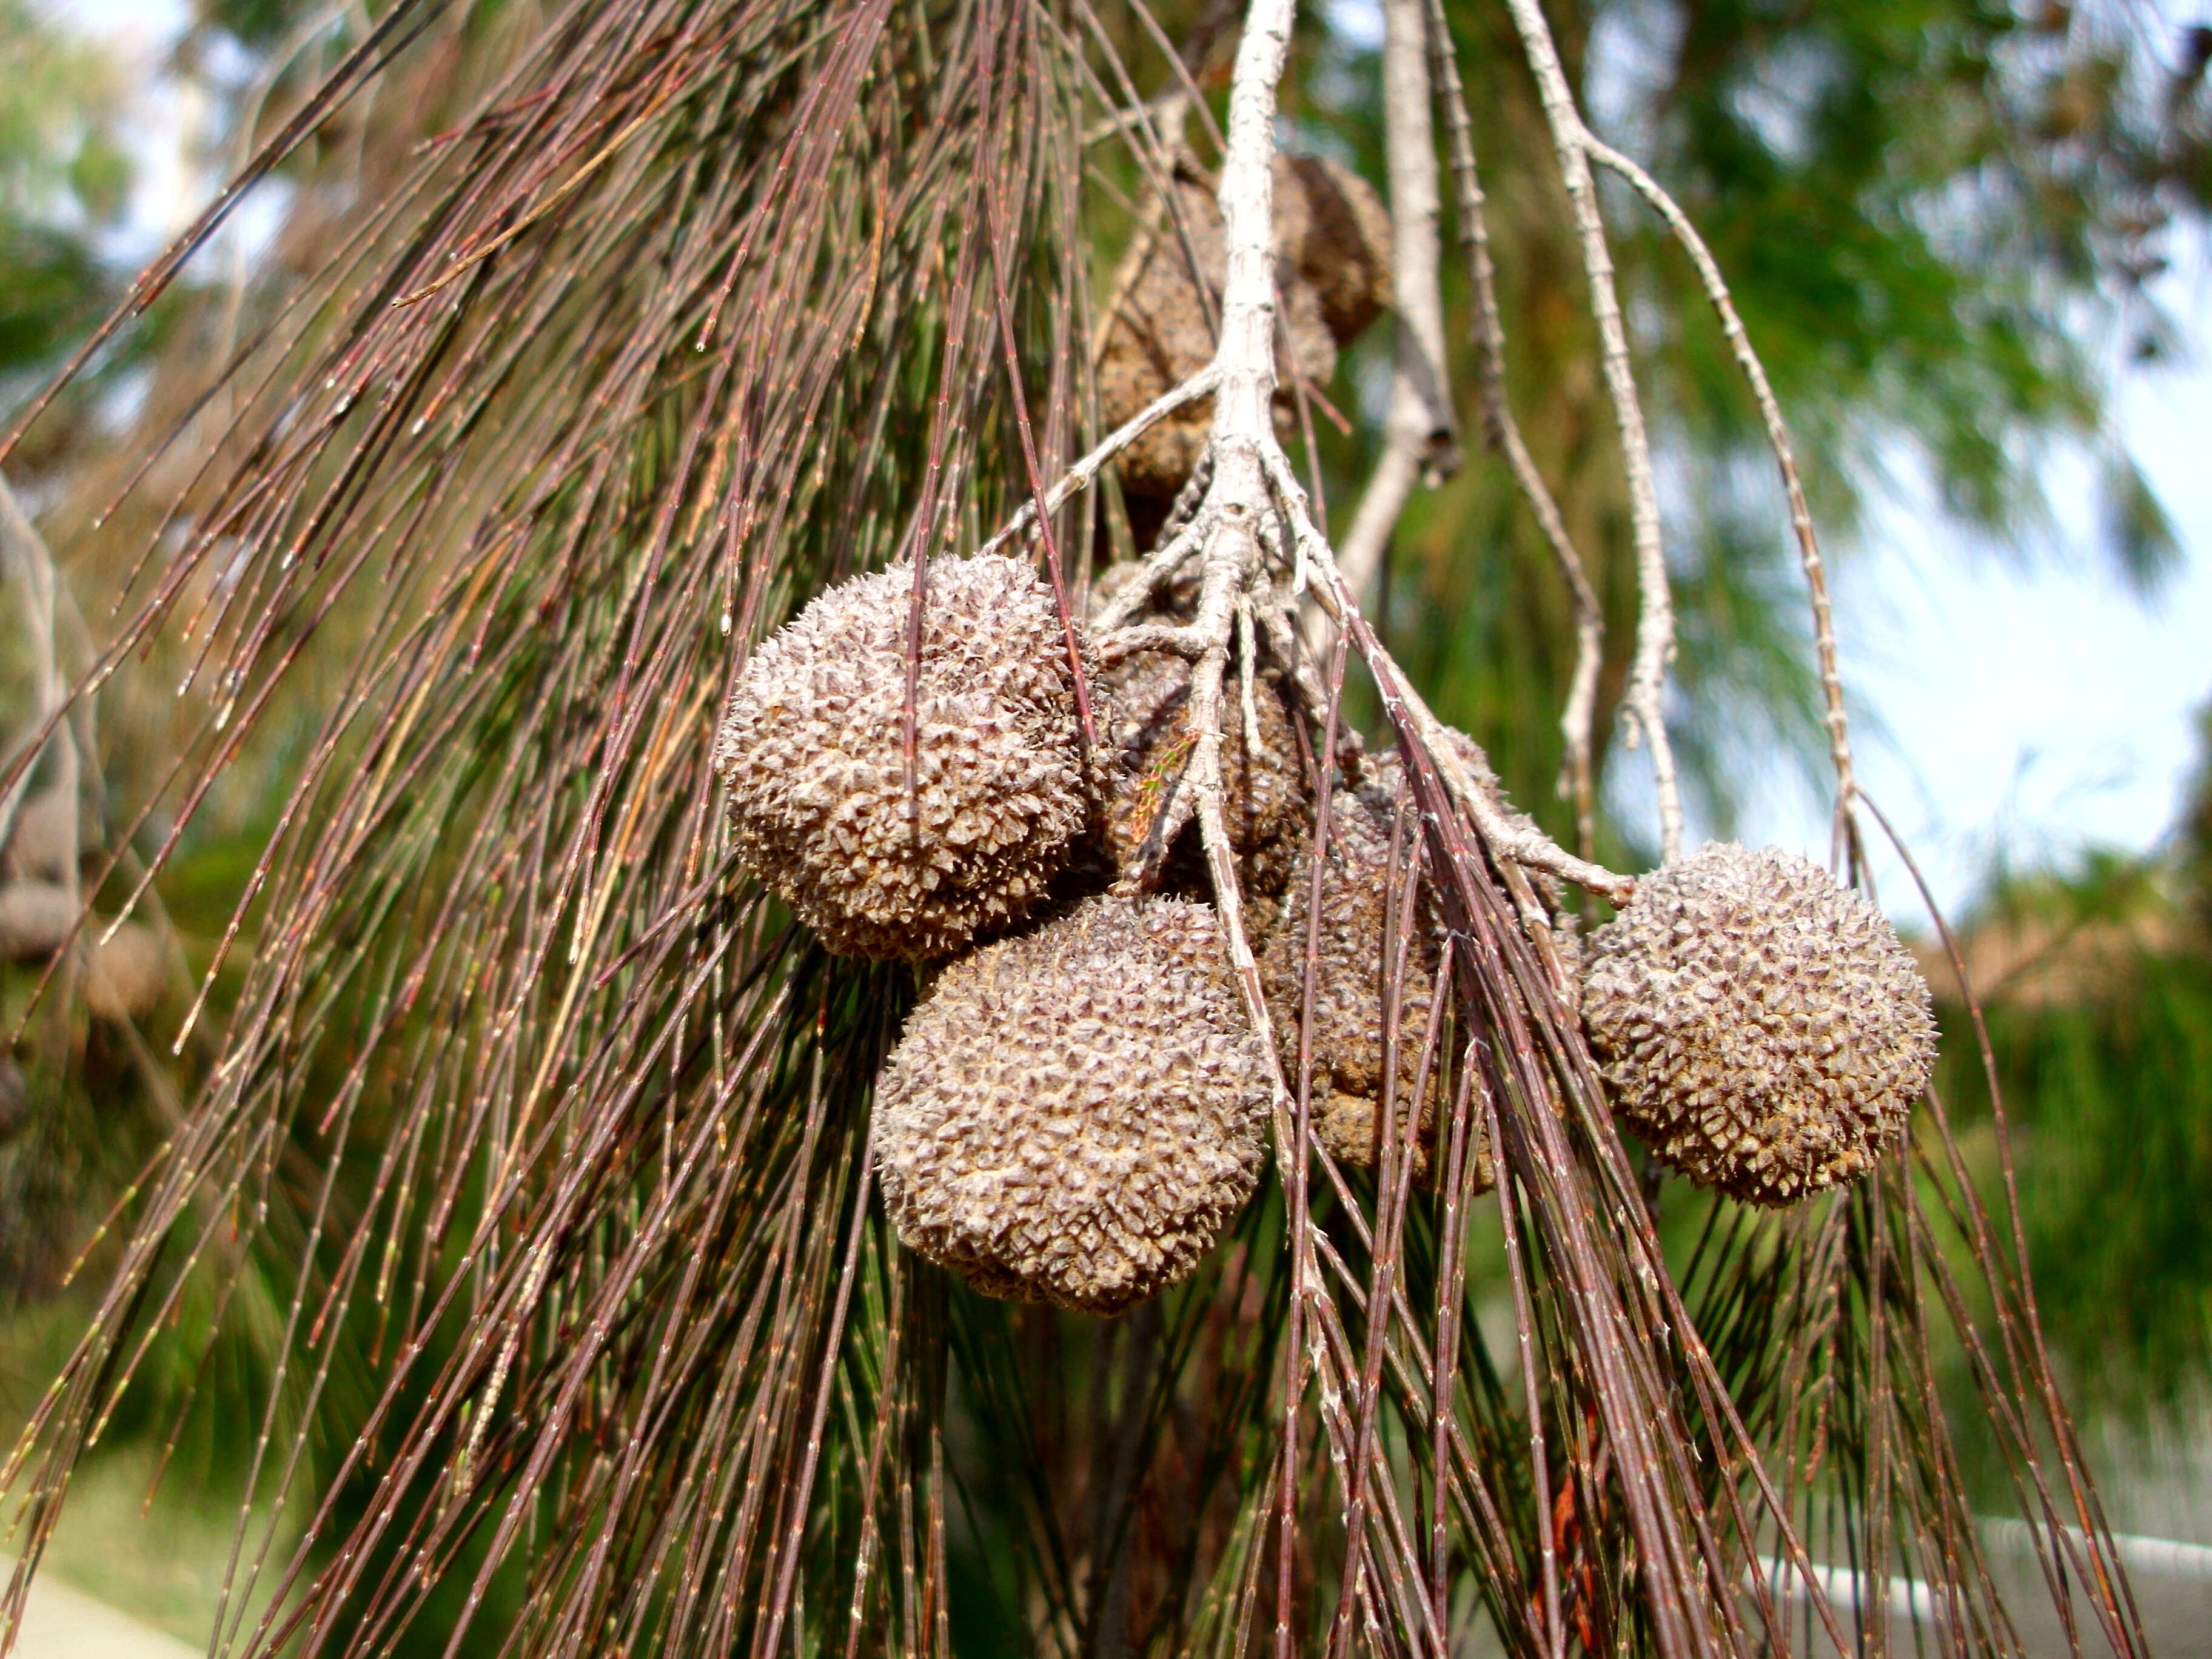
(1935, 224)
(62, 179)
(2095, 982)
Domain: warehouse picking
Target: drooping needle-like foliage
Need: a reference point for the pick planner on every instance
(554, 1116)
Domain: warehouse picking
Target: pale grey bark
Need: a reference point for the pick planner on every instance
(1646, 702)
(1421, 433)
(1785, 457)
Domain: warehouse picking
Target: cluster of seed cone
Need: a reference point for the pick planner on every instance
(1761, 1029)
(1333, 278)
(1078, 1105)
(1076, 1108)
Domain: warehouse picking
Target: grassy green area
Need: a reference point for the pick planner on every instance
(156, 1550)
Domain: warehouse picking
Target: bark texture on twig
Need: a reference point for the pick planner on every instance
(1646, 702)
(1421, 433)
(1502, 432)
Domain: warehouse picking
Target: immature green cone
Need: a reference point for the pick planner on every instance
(1763, 1029)
(1073, 1115)
(813, 748)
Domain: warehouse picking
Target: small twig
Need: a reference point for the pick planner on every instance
(1524, 846)
(1191, 642)
(1163, 111)
(1184, 509)
(1777, 437)
(1297, 661)
(1246, 657)
(1645, 701)
(1421, 433)
(1502, 433)
(1081, 474)
(1159, 567)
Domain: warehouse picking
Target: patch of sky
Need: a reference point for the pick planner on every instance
(2024, 710)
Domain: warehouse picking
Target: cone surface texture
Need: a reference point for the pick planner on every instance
(1762, 1028)
(1073, 1114)
(813, 749)
(1358, 921)
(1333, 278)
(1263, 789)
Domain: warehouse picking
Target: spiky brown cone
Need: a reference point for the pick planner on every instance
(1762, 1030)
(1073, 1114)
(813, 749)
(1346, 1030)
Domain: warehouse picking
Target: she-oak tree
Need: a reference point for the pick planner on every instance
(708, 305)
